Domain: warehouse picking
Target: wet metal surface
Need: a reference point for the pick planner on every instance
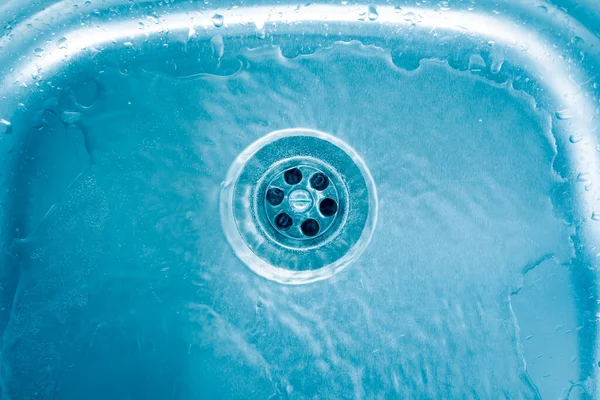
(478, 123)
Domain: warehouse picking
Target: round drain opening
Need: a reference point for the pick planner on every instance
(293, 178)
(298, 206)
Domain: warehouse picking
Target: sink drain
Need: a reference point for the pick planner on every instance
(298, 206)
(302, 200)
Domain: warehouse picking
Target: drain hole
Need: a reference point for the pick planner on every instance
(292, 176)
(310, 227)
(284, 221)
(298, 206)
(275, 196)
(328, 207)
(319, 181)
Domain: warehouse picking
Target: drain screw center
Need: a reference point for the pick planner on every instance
(300, 200)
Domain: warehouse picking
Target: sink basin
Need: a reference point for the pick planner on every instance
(471, 125)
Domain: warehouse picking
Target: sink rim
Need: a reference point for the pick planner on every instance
(283, 19)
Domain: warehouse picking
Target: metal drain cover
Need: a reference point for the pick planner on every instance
(298, 206)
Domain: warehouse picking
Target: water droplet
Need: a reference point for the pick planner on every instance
(409, 16)
(70, 117)
(565, 114)
(583, 177)
(259, 306)
(577, 40)
(86, 94)
(218, 20)
(595, 216)
(412, 17)
(62, 43)
(125, 69)
(476, 63)
(397, 9)
(218, 48)
(575, 138)
(444, 6)
(38, 51)
(373, 14)
(496, 66)
(5, 126)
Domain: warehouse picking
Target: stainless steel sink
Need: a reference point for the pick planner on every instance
(122, 123)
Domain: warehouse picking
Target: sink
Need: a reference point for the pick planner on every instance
(460, 140)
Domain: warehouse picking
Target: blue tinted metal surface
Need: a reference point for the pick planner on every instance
(477, 120)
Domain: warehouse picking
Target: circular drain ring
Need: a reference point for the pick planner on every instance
(303, 163)
(303, 261)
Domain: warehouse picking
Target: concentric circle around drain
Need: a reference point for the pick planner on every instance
(298, 206)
